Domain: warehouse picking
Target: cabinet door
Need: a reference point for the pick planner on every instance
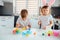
(7, 21)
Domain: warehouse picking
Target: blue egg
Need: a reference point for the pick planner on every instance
(29, 32)
(23, 33)
(29, 29)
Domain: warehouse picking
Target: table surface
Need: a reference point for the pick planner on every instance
(6, 34)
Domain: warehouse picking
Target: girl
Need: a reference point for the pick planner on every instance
(23, 21)
(45, 19)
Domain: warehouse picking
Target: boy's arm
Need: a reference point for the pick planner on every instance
(29, 23)
(17, 25)
(29, 26)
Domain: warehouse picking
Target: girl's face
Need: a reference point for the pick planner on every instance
(45, 11)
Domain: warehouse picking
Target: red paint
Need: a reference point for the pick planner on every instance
(48, 34)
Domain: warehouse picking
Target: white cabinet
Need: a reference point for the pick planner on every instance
(1, 3)
(7, 21)
(11, 1)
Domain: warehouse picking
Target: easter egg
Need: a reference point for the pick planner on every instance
(43, 34)
(17, 31)
(29, 28)
(27, 35)
(48, 34)
(29, 32)
(14, 31)
(15, 28)
(34, 33)
(23, 33)
(56, 33)
(23, 28)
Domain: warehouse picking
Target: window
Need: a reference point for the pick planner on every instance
(31, 5)
(20, 4)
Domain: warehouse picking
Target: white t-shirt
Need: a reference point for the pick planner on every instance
(45, 20)
(23, 22)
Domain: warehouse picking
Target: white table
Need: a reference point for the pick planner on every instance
(6, 34)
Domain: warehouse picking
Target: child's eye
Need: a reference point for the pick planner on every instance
(46, 10)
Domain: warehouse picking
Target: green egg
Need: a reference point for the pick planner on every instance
(43, 34)
(18, 31)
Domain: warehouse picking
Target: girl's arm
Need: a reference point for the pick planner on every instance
(51, 23)
(39, 22)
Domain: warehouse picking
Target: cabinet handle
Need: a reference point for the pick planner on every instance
(3, 25)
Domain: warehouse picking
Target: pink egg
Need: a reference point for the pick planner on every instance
(55, 33)
(59, 33)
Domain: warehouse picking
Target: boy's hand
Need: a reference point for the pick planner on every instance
(17, 25)
(27, 27)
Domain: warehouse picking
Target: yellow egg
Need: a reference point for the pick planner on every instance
(24, 28)
(15, 29)
(50, 32)
(27, 35)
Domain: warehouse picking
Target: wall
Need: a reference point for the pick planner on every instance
(8, 8)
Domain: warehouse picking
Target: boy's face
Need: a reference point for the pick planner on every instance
(45, 11)
(24, 15)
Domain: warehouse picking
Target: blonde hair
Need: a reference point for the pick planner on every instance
(45, 8)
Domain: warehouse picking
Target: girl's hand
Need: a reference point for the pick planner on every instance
(39, 22)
